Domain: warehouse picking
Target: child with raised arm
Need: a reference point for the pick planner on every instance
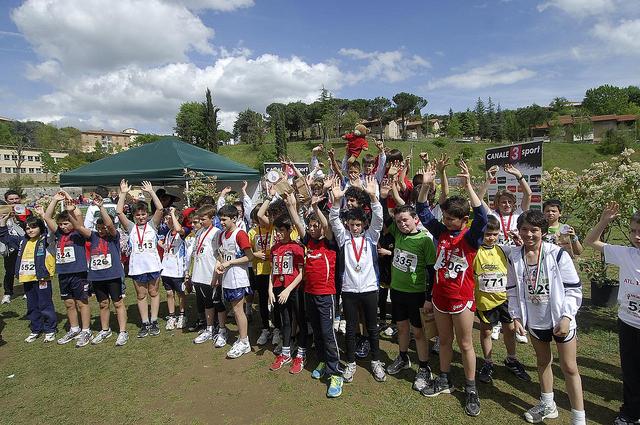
(174, 262)
(236, 253)
(35, 266)
(506, 209)
(106, 272)
(144, 263)
(628, 259)
(360, 277)
(451, 298)
(545, 294)
(71, 265)
(560, 233)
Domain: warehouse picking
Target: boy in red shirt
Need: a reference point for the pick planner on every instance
(287, 262)
(452, 297)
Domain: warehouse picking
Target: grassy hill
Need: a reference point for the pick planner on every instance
(570, 156)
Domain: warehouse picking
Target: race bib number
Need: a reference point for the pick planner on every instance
(540, 293)
(283, 264)
(27, 267)
(633, 307)
(492, 282)
(227, 256)
(67, 255)
(146, 246)
(404, 261)
(455, 263)
(100, 262)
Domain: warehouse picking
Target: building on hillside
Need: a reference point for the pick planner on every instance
(593, 128)
(31, 165)
(111, 141)
(5, 119)
(132, 132)
(390, 130)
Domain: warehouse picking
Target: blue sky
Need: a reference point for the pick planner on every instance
(130, 63)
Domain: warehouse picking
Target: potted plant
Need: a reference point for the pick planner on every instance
(583, 197)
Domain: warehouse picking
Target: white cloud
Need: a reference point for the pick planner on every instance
(150, 98)
(580, 8)
(623, 38)
(391, 66)
(221, 5)
(483, 76)
(104, 34)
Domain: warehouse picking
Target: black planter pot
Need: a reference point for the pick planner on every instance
(604, 295)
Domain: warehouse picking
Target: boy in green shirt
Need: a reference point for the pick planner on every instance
(414, 255)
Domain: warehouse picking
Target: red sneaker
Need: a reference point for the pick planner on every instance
(297, 365)
(279, 362)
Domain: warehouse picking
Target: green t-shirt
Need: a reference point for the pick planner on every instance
(411, 255)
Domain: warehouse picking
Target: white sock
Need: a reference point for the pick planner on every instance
(85, 330)
(547, 398)
(578, 417)
(286, 351)
(210, 329)
(244, 340)
(75, 329)
(301, 352)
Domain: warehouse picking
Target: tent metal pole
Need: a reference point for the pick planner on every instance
(186, 185)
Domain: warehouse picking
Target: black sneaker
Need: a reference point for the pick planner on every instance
(438, 386)
(623, 420)
(485, 374)
(154, 329)
(518, 369)
(144, 330)
(472, 404)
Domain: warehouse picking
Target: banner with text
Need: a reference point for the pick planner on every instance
(526, 157)
(302, 166)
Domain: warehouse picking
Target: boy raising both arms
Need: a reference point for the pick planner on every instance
(236, 253)
(628, 259)
(452, 299)
(360, 277)
(144, 263)
(71, 265)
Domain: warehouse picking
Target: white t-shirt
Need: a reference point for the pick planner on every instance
(205, 250)
(93, 214)
(508, 223)
(237, 275)
(628, 259)
(144, 249)
(175, 254)
(537, 298)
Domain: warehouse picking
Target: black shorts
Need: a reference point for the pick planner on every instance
(406, 306)
(499, 314)
(173, 284)
(545, 335)
(74, 286)
(211, 296)
(258, 281)
(105, 289)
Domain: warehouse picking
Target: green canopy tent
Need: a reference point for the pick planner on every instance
(162, 163)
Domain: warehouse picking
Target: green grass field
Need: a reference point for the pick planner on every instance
(570, 156)
(169, 380)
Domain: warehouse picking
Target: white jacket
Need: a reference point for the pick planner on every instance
(565, 289)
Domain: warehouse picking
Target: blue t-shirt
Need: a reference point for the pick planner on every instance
(72, 257)
(104, 262)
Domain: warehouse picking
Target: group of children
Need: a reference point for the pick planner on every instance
(366, 232)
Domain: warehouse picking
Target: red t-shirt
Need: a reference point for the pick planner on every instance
(454, 270)
(320, 267)
(355, 144)
(286, 260)
(406, 195)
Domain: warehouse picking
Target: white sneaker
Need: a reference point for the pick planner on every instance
(49, 337)
(171, 323)
(276, 338)
(122, 339)
(239, 348)
(540, 412)
(336, 325)
(522, 339)
(180, 321)
(6, 299)
(101, 336)
(343, 327)
(205, 336)
(264, 337)
(349, 371)
(495, 332)
(32, 337)
(220, 339)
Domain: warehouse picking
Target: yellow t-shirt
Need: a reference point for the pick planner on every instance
(27, 270)
(490, 272)
(262, 239)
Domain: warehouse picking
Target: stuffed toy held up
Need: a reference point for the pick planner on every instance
(356, 142)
